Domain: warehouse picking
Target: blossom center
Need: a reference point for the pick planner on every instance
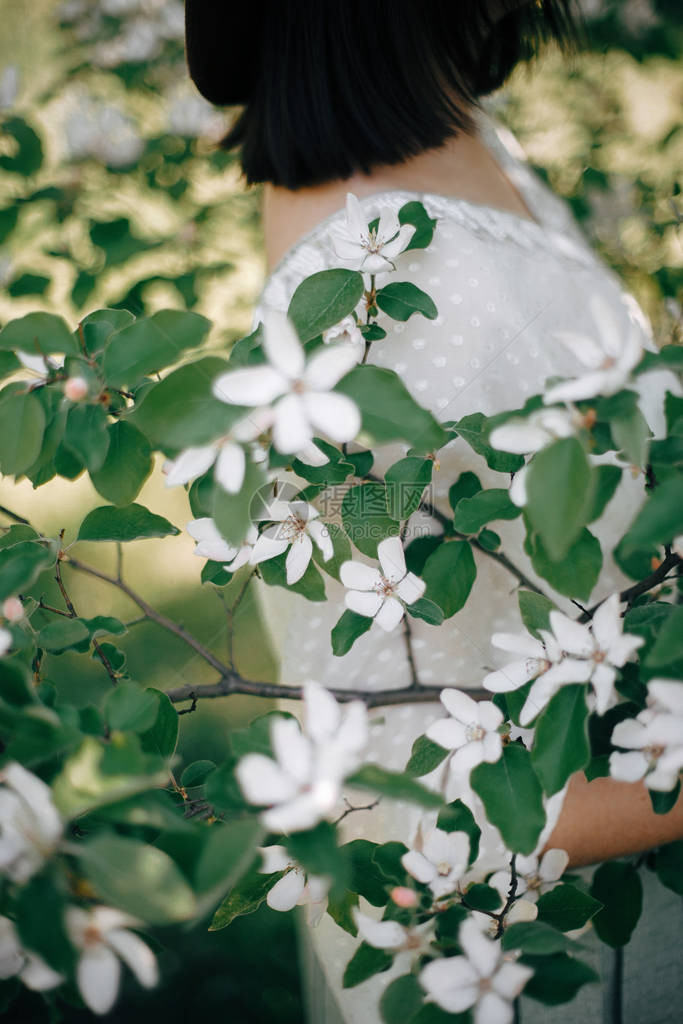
(443, 868)
(474, 732)
(292, 527)
(385, 587)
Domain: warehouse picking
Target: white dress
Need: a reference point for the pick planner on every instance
(502, 284)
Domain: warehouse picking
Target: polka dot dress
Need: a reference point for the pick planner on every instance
(502, 284)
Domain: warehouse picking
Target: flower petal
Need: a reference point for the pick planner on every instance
(287, 891)
(274, 858)
(573, 637)
(291, 429)
(323, 714)
(292, 749)
(459, 705)
(514, 675)
(328, 365)
(336, 415)
(519, 643)
(390, 614)
(190, 464)
(417, 865)
(627, 767)
(250, 385)
(451, 982)
(553, 865)
(380, 934)
(281, 344)
(321, 535)
(363, 602)
(448, 733)
(482, 953)
(98, 975)
(392, 558)
(358, 576)
(298, 557)
(268, 546)
(136, 954)
(410, 588)
(230, 466)
(263, 781)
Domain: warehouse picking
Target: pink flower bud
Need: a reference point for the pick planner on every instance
(404, 897)
(76, 389)
(13, 609)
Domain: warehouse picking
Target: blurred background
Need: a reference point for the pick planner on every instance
(114, 193)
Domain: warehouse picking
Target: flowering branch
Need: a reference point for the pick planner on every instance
(629, 595)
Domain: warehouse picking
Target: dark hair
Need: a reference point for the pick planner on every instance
(343, 87)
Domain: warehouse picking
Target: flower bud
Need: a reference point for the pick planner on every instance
(13, 609)
(404, 897)
(76, 389)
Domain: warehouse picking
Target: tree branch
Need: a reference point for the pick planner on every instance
(109, 668)
(631, 593)
(13, 515)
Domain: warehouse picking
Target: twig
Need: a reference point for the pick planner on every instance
(350, 809)
(57, 611)
(631, 593)
(408, 637)
(230, 616)
(512, 896)
(13, 515)
(73, 614)
(193, 706)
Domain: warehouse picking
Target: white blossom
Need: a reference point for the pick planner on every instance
(534, 876)
(100, 130)
(609, 359)
(101, 936)
(521, 910)
(383, 593)
(540, 428)
(484, 978)
(372, 251)
(438, 860)
(574, 653)
(294, 523)
(392, 936)
(30, 826)
(654, 739)
(471, 731)
(295, 888)
(212, 545)
(346, 332)
(301, 783)
(299, 390)
(15, 960)
(5, 641)
(226, 454)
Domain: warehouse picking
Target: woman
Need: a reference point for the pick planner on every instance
(381, 98)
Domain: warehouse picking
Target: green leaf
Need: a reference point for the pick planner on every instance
(311, 585)
(38, 334)
(394, 785)
(346, 631)
(388, 411)
(127, 465)
(233, 512)
(512, 797)
(367, 880)
(577, 572)
(457, 817)
(401, 299)
(425, 756)
(244, 898)
(449, 573)
(227, 852)
(365, 962)
(606, 482)
(28, 284)
(151, 343)
(131, 708)
(340, 908)
(631, 434)
(196, 773)
(323, 299)
(60, 635)
(22, 425)
(40, 921)
(560, 491)
(465, 486)
(401, 1000)
(556, 978)
(181, 410)
(406, 481)
(618, 887)
(669, 866)
(318, 853)
(483, 897)
(86, 435)
(662, 803)
(137, 878)
(535, 937)
(132, 522)
(561, 745)
(27, 157)
(483, 507)
(566, 908)
(660, 519)
(535, 610)
(162, 736)
(21, 565)
(104, 625)
(474, 430)
(667, 646)
(415, 213)
(365, 518)
(426, 610)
